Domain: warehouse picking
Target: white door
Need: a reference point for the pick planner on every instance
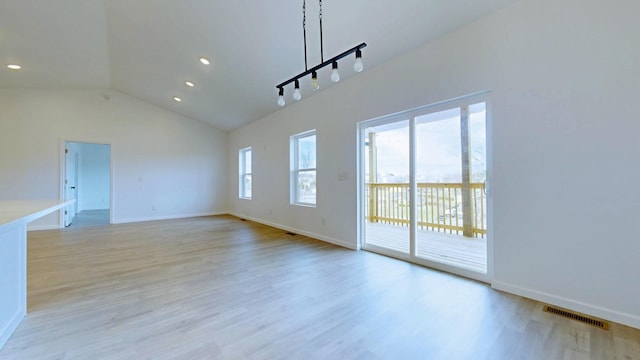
(70, 184)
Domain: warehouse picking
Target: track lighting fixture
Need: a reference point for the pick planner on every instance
(335, 76)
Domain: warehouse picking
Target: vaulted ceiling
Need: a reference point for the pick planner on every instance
(149, 48)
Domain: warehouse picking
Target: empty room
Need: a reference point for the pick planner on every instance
(302, 179)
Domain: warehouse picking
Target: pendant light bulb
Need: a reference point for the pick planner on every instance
(335, 76)
(281, 101)
(296, 92)
(314, 80)
(358, 66)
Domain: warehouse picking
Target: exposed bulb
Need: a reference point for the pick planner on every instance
(281, 101)
(314, 81)
(358, 66)
(335, 76)
(296, 91)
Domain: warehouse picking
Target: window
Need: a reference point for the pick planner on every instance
(245, 173)
(303, 168)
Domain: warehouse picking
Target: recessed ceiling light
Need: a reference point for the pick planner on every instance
(14, 67)
(189, 83)
(177, 99)
(205, 61)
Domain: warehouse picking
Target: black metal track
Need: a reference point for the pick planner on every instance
(320, 66)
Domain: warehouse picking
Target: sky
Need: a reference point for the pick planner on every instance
(438, 157)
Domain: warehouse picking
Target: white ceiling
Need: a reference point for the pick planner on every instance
(149, 48)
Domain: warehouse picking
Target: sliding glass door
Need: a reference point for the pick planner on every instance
(423, 186)
(450, 174)
(386, 173)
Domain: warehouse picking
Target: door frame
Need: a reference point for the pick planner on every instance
(63, 158)
(411, 114)
(73, 208)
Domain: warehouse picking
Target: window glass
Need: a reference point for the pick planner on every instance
(245, 174)
(303, 177)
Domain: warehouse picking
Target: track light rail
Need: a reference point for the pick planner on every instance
(320, 66)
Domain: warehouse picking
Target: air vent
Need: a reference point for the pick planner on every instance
(290, 233)
(578, 317)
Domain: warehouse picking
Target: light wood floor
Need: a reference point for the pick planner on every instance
(221, 288)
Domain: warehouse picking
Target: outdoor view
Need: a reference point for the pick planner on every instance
(447, 184)
(306, 169)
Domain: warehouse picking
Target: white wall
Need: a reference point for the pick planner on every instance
(564, 80)
(161, 160)
(94, 176)
(13, 279)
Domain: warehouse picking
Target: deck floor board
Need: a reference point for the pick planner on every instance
(452, 249)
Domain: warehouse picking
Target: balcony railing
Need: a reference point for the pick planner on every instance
(440, 207)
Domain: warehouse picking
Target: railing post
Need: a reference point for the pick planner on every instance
(467, 218)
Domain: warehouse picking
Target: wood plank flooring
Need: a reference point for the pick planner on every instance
(221, 288)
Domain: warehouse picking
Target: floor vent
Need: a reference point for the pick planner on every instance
(290, 233)
(241, 219)
(578, 317)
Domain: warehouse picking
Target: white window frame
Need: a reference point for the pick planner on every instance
(242, 191)
(296, 170)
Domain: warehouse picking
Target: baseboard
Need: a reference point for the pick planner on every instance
(297, 231)
(589, 309)
(168, 217)
(8, 330)
(42, 227)
(134, 220)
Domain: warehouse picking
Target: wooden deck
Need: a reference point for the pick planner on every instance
(450, 249)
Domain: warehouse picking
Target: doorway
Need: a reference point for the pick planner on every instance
(87, 178)
(423, 186)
